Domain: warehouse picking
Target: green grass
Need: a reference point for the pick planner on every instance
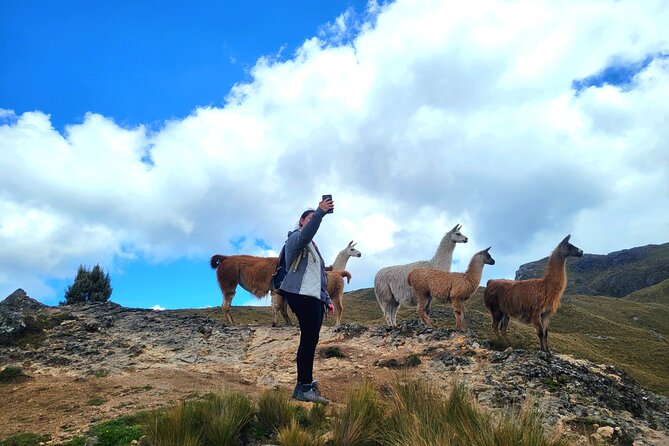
(218, 419)
(274, 412)
(358, 424)
(412, 412)
(296, 435)
(96, 401)
(421, 415)
(27, 439)
(117, 432)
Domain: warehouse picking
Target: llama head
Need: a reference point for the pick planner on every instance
(351, 251)
(485, 255)
(568, 250)
(456, 236)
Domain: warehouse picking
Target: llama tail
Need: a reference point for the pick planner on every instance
(215, 260)
(409, 278)
(347, 275)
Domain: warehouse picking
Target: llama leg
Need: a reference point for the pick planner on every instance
(227, 302)
(423, 304)
(541, 333)
(340, 308)
(505, 323)
(279, 306)
(459, 310)
(393, 312)
(545, 320)
(283, 308)
(384, 297)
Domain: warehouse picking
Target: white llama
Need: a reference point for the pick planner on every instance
(343, 256)
(390, 284)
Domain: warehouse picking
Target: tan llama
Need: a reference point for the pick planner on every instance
(456, 288)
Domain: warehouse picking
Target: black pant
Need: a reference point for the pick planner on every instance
(309, 312)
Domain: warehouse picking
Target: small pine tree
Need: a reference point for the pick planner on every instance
(89, 286)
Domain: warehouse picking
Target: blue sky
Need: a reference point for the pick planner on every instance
(144, 63)
(148, 136)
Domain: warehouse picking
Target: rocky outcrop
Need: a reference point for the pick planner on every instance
(615, 274)
(583, 398)
(17, 312)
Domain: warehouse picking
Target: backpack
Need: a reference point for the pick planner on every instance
(281, 270)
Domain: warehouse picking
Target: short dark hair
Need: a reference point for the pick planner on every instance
(307, 212)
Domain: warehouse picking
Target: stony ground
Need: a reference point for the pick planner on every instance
(104, 361)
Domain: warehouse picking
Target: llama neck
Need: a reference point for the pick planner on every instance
(556, 272)
(444, 256)
(475, 270)
(340, 262)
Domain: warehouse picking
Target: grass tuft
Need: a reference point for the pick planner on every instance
(358, 423)
(295, 435)
(420, 415)
(218, 419)
(332, 352)
(11, 374)
(274, 412)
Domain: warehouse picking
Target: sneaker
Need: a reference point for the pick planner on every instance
(310, 393)
(297, 389)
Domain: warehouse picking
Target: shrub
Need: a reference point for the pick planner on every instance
(89, 286)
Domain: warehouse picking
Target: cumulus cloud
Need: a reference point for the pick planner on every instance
(432, 114)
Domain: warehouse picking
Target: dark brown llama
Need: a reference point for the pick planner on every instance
(531, 301)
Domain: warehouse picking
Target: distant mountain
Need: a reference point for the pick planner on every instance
(616, 274)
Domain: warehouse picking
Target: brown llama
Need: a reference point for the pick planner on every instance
(254, 274)
(531, 301)
(456, 288)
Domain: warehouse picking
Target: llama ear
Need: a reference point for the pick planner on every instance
(455, 228)
(488, 249)
(350, 243)
(566, 239)
(354, 244)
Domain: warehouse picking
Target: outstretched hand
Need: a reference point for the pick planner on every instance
(330, 309)
(326, 205)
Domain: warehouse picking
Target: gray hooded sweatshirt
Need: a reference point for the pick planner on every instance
(305, 273)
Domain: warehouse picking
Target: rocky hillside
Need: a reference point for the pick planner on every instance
(81, 364)
(615, 274)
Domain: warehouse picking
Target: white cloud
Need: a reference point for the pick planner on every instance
(437, 113)
(157, 308)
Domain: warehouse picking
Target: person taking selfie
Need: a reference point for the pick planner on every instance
(304, 288)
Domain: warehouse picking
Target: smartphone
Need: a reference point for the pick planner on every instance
(325, 197)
